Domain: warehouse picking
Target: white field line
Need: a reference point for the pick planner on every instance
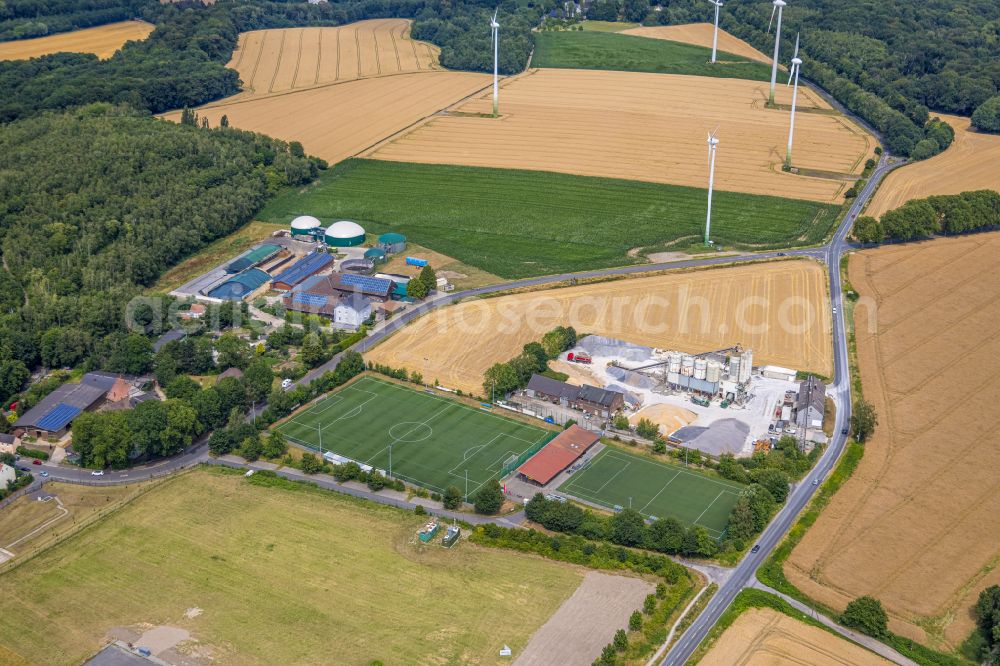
(707, 508)
(660, 491)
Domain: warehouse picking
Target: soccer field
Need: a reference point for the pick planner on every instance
(433, 442)
(614, 477)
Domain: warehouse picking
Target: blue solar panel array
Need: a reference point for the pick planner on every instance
(369, 284)
(58, 417)
(318, 300)
(316, 261)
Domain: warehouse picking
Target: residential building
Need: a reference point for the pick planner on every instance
(351, 311)
(811, 403)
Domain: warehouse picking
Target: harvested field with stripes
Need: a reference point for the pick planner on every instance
(280, 60)
(917, 524)
(102, 41)
(699, 34)
(765, 637)
(647, 127)
(779, 310)
(972, 162)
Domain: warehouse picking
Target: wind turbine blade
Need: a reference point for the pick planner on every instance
(796, 46)
(774, 8)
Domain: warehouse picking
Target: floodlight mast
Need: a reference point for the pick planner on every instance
(778, 6)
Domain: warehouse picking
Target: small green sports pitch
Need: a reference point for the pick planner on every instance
(618, 478)
(434, 442)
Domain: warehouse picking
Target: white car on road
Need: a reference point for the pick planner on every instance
(97, 472)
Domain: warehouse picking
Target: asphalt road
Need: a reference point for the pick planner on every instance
(744, 572)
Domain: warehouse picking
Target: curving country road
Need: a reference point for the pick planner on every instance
(743, 575)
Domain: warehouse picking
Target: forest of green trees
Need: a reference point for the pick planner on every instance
(937, 215)
(95, 204)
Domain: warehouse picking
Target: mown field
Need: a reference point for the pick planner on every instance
(615, 51)
(281, 577)
(516, 223)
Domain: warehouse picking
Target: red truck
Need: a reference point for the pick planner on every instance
(579, 357)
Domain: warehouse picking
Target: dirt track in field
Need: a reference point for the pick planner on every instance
(102, 41)
(586, 622)
(338, 121)
(279, 60)
(699, 34)
(972, 162)
(649, 127)
(779, 310)
(918, 524)
(765, 637)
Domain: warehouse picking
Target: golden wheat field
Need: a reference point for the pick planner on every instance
(779, 310)
(649, 127)
(918, 524)
(972, 162)
(102, 41)
(335, 122)
(275, 61)
(765, 637)
(699, 34)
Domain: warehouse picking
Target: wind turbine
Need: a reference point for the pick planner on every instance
(712, 144)
(778, 6)
(715, 37)
(794, 73)
(495, 39)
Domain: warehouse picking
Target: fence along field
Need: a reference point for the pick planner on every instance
(279, 60)
(102, 41)
(435, 442)
(699, 34)
(972, 162)
(647, 127)
(916, 525)
(691, 311)
(762, 636)
(619, 478)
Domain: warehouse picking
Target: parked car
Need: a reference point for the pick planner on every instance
(286, 384)
(44, 473)
(36, 461)
(97, 472)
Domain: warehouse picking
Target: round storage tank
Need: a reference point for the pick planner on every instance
(687, 365)
(700, 368)
(734, 368)
(714, 372)
(375, 255)
(304, 225)
(345, 234)
(392, 242)
(674, 361)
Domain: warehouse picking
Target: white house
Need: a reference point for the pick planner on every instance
(7, 475)
(352, 311)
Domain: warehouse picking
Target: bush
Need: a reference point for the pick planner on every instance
(32, 453)
(376, 481)
(987, 116)
(310, 463)
(452, 498)
(489, 498)
(867, 616)
(620, 641)
(419, 510)
(649, 604)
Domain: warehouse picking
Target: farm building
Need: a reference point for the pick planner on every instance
(241, 286)
(585, 398)
(253, 257)
(344, 234)
(172, 335)
(303, 269)
(557, 455)
(305, 227)
(777, 372)
(392, 242)
(52, 416)
(351, 311)
(811, 404)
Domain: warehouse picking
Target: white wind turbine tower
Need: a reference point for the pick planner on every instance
(712, 144)
(715, 36)
(495, 39)
(778, 6)
(794, 74)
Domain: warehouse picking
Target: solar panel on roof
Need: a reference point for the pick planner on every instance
(376, 285)
(304, 268)
(58, 417)
(318, 300)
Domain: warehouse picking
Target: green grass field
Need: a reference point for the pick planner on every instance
(515, 223)
(628, 53)
(655, 488)
(281, 575)
(434, 441)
